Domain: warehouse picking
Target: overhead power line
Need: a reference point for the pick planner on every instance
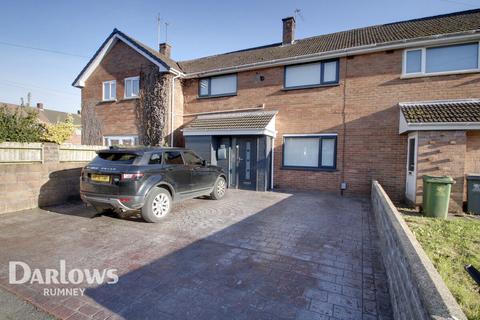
(42, 49)
(28, 86)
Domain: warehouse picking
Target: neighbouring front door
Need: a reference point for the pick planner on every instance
(247, 162)
(411, 180)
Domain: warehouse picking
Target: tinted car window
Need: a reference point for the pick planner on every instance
(173, 157)
(155, 158)
(117, 157)
(192, 159)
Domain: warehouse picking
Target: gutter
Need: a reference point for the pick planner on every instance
(401, 44)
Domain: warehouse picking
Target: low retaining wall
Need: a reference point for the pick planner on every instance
(416, 289)
(40, 178)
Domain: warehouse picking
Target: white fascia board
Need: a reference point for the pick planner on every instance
(440, 126)
(310, 135)
(94, 64)
(434, 40)
(403, 125)
(239, 132)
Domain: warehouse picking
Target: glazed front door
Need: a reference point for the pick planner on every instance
(411, 179)
(246, 163)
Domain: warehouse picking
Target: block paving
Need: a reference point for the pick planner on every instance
(272, 255)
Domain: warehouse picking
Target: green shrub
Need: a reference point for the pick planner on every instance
(59, 132)
(20, 125)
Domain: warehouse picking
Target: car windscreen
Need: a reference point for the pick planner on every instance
(116, 157)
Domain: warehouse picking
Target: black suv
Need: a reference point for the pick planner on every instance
(148, 179)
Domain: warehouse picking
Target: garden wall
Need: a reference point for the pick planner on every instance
(416, 289)
(37, 175)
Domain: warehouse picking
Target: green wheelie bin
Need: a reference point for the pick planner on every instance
(436, 196)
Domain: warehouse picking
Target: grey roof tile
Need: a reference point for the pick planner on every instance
(452, 111)
(238, 120)
(379, 34)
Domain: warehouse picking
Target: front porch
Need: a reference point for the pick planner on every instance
(443, 140)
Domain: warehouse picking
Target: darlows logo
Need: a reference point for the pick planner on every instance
(21, 273)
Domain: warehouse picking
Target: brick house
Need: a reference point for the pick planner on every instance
(389, 102)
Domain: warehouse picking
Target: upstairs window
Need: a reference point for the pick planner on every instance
(311, 74)
(441, 59)
(109, 90)
(218, 86)
(132, 87)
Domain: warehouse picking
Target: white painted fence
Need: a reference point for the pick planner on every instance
(76, 153)
(16, 152)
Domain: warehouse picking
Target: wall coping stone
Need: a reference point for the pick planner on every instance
(435, 298)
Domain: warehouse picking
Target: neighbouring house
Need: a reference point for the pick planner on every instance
(52, 117)
(389, 102)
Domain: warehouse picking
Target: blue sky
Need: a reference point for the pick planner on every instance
(197, 28)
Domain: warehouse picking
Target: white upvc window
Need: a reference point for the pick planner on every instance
(132, 87)
(441, 60)
(109, 90)
(307, 151)
(120, 140)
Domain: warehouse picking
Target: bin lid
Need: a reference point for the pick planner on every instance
(473, 176)
(442, 179)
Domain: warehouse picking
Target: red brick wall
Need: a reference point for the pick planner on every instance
(443, 153)
(373, 147)
(118, 117)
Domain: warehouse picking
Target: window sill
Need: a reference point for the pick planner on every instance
(108, 101)
(311, 87)
(217, 96)
(435, 74)
(130, 98)
(308, 169)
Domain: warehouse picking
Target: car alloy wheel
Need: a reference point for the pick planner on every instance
(160, 205)
(221, 187)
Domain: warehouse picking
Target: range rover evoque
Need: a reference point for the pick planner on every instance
(148, 179)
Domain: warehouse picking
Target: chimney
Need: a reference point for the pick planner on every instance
(165, 49)
(40, 106)
(288, 30)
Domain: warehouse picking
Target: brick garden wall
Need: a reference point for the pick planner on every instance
(416, 289)
(30, 185)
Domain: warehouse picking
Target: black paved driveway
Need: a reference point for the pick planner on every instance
(250, 256)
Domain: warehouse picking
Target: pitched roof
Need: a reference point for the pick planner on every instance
(450, 111)
(150, 53)
(155, 54)
(47, 115)
(456, 22)
(227, 121)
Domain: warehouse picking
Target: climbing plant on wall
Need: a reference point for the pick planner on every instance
(91, 126)
(152, 106)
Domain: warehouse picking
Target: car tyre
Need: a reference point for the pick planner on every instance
(219, 189)
(158, 205)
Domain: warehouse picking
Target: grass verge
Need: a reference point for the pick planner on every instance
(451, 244)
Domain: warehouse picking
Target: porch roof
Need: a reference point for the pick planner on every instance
(253, 122)
(440, 115)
